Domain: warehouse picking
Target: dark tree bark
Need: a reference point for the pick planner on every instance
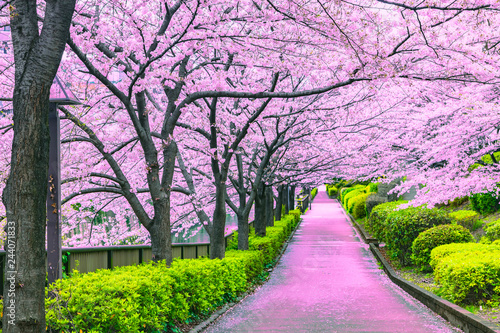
(243, 232)
(269, 206)
(286, 198)
(279, 204)
(37, 57)
(242, 212)
(159, 228)
(291, 197)
(217, 240)
(260, 211)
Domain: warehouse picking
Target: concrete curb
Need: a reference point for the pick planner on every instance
(204, 324)
(454, 314)
(367, 238)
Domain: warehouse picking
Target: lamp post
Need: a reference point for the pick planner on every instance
(59, 95)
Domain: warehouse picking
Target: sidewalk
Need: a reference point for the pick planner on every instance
(328, 281)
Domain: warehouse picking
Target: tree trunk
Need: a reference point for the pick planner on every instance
(217, 239)
(269, 207)
(37, 60)
(160, 232)
(160, 229)
(25, 199)
(291, 197)
(260, 212)
(243, 232)
(279, 203)
(286, 198)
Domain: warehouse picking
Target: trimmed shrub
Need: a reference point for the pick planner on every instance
(458, 201)
(359, 205)
(469, 276)
(346, 190)
(492, 231)
(377, 221)
(465, 218)
(341, 193)
(348, 198)
(314, 191)
(252, 260)
(268, 245)
(371, 188)
(435, 236)
(103, 299)
(442, 251)
(296, 214)
(332, 191)
(404, 225)
(484, 203)
(152, 297)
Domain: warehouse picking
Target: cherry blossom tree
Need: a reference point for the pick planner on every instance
(142, 71)
(153, 118)
(445, 141)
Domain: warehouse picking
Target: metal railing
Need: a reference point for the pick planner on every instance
(303, 203)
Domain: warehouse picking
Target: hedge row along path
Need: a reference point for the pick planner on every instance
(328, 281)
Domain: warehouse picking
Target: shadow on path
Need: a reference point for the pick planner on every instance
(328, 281)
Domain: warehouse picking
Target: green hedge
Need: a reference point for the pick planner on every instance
(467, 274)
(404, 225)
(442, 251)
(332, 190)
(378, 218)
(372, 188)
(153, 298)
(358, 195)
(492, 232)
(348, 198)
(346, 190)
(358, 205)
(314, 191)
(465, 218)
(435, 236)
(484, 203)
(146, 298)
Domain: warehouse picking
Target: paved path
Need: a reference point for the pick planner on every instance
(328, 281)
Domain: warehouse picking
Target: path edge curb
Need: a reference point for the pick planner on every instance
(454, 314)
(204, 324)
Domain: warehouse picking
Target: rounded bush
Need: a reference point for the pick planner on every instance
(346, 190)
(404, 225)
(469, 276)
(492, 231)
(465, 218)
(378, 216)
(371, 188)
(484, 203)
(332, 190)
(435, 236)
(348, 199)
(442, 251)
(458, 201)
(359, 205)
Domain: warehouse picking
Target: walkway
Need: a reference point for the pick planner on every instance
(328, 281)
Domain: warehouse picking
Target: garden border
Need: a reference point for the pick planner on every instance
(201, 326)
(454, 314)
